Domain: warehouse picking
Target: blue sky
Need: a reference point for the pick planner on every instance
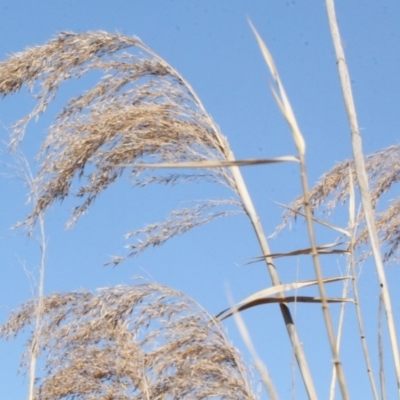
(211, 44)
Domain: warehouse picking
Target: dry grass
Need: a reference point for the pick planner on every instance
(140, 116)
(131, 342)
(149, 341)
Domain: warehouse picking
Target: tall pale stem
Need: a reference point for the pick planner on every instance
(255, 220)
(363, 182)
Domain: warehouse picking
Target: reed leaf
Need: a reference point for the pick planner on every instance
(216, 164)
(260, 297)
(324, 249)
(285, 299)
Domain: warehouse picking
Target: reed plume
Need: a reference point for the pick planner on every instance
(140, 111)
(383, 171)
(145, 341)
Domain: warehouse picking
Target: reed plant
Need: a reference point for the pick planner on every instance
(142, 118)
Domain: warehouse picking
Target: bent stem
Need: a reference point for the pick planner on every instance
(287, 317)
(363, 183)
(262, 240)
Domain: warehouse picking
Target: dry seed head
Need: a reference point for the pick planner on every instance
(140, 342)
(142, 110)
(383, 169)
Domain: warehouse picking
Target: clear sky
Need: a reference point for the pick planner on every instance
(211, 44)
